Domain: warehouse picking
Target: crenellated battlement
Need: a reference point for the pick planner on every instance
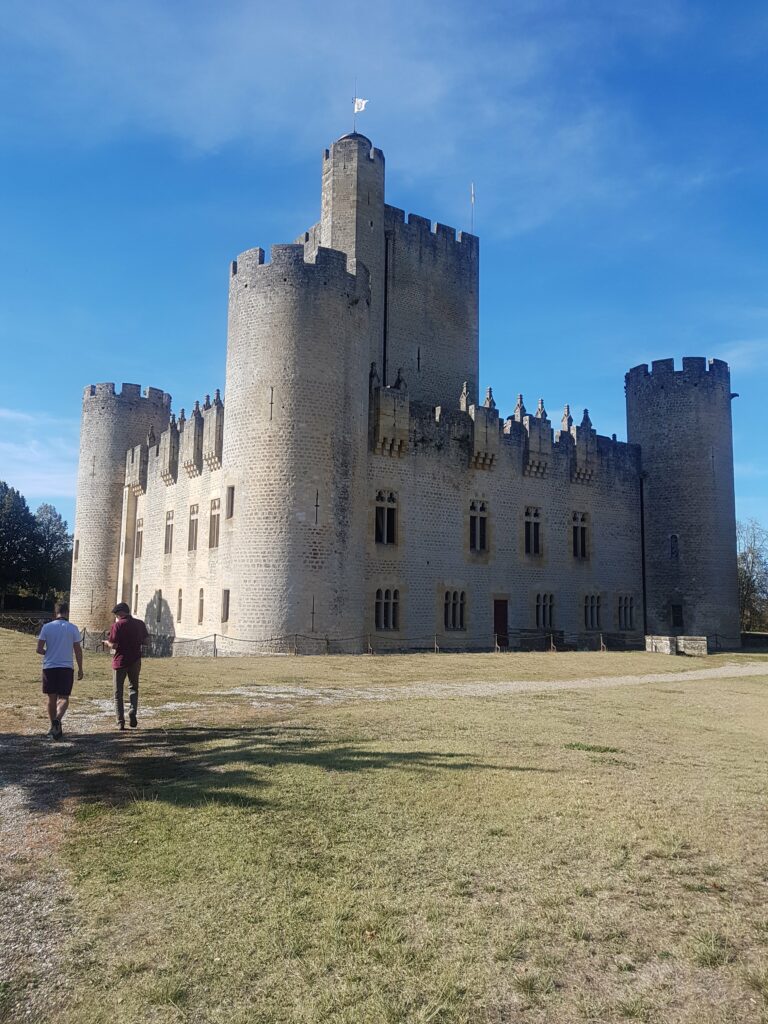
(321, 264)
(354, 140)
(695, 370)
(128, 393)
(426, 231)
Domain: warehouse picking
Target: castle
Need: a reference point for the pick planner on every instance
(355, 488)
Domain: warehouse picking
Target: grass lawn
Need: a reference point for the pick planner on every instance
(585, 854)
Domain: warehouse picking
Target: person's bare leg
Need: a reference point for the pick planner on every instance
(52, 699)
(61, 707)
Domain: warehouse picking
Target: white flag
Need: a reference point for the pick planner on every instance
(360, 105)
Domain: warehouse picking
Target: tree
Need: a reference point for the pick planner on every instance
(752, 560)
(53, 556)
(17, 541)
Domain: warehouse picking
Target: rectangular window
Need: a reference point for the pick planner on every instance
(168, 548)
(230, 511)
(213, 526)
(386, 609)
(579, 534)
(478, 526)
(192, 538)
(677, 616)
(138, 546)
(533, 540)
(200, 606)
(386, 517)
(225, 606)
(178, 607)
(77, 549)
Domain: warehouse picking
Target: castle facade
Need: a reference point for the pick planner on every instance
(354, 487)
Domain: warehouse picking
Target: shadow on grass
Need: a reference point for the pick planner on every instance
(193, 765)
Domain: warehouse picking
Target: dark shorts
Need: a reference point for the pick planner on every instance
(58, 681)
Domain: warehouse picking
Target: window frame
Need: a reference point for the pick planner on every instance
(385, 527)
(534, 542)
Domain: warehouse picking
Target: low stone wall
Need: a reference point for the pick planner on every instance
(695, 646)
(755, 641)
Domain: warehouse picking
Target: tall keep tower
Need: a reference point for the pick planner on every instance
(682, 421)
(111, 423)
(295, 443)
(352, 218)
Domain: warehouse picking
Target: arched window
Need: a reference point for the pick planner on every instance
(592, 611)
(387, 609)
(544, 604)
(455, 609)
(178, 607)
(200, 607)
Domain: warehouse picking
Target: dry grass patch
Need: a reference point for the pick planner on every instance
(580, 855)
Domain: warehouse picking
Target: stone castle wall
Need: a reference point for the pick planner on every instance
(317, 422)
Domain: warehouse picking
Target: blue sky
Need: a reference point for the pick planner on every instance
(619, 153)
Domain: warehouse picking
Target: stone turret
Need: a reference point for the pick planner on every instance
(682, 421)
(352, 219)
(112, 423)
(295, 442)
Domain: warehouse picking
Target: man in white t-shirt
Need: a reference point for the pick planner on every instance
(57, 642)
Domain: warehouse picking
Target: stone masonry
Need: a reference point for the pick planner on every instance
(353, 483)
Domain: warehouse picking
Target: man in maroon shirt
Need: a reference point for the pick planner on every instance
(125, 640)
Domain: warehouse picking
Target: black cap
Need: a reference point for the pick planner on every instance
(121, 609)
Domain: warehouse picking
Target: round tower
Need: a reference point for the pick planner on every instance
(111, 423)
(682, 421)
(295, 443)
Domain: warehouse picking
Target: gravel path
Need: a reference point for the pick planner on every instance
(35, 905)
(289, 696)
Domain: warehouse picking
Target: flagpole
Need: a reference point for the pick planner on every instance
(354, 104)
(472, 208)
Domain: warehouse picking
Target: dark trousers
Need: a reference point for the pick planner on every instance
(132, 672)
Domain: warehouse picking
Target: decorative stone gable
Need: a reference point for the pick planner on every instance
(192, 443)
(169, 454)
(213, 431)
(136, 462)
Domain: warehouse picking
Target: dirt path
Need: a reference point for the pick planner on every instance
(35, 904)
(291, 696)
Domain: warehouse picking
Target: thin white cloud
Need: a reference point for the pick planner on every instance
(750, 470)
(40, 457)
(509, 97)
(747, 355)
